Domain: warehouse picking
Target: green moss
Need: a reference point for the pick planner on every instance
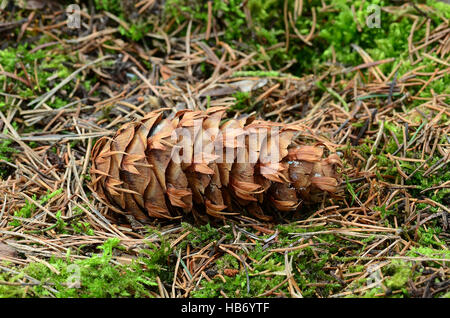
(243, 101)
(256, 74)
(337, 29)
(155, 259)
(236, 286)
(356, 268)
(81, 227)
(97, 276)
(227, 261)
(385, 213)
(28, 209)
(12, 287)
(51, 67)
(420, 251)
(426, 237)
(5, 150)
(201, 234)
(442, 8)
(399, 272)
(113, 6)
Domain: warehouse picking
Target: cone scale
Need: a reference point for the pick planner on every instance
(197, 162)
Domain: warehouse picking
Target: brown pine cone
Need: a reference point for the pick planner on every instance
(190, 162)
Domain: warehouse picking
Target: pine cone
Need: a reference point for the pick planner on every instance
(190, 162)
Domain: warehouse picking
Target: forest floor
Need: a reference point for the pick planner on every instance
(371, 77)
